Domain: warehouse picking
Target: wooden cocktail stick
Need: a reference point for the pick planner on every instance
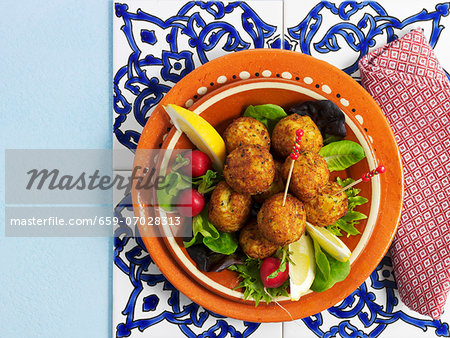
(294, 155)
(364, 178)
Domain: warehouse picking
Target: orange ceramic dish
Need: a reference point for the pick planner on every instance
(219, 91)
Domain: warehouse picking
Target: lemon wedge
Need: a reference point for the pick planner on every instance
(329, 242)
(303, 272)
(200, 132)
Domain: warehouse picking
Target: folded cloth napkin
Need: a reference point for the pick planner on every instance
(412, 89)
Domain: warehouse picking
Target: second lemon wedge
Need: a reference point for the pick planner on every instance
(329, 242)
(202, 134)
(303, 271)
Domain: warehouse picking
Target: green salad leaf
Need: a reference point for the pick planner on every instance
(351, 218)
(175, 182)
(337, 228)
(342, 154)
(169, 189)
(252, 283)
(205, 232)
(201, 225)
(225, 244)
(329, 270)
(283, 254)
(330, 139)
(267, 114)
(207, 182)
(180, 162)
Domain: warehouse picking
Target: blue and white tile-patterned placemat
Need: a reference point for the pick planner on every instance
(156, 43)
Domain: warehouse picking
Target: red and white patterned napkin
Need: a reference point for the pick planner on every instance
(407, 81)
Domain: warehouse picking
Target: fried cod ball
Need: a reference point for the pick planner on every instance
(310, 174)
(254, 244)
(249, 169)
(228, 210)
(326, 209)
(280, 224)
(283, 136)
(246, 130)
(276, 186)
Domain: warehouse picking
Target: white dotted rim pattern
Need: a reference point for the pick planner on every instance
(245, 75)
(375, 198)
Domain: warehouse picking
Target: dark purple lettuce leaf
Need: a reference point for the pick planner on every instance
(326, 115)
(210, 261)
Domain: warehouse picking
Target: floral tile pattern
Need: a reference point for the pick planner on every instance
(373, 310)
(146, 304)
(155, 44)
(341, 32)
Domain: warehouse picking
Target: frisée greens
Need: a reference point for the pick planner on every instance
(351, 218)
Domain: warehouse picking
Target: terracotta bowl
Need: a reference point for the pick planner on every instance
(220, 90)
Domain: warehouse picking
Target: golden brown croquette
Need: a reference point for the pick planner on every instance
(280, 224)
(228, 210)
(244, 131)
(249, 169)
(325, 209)
(310, 174)
(254, 244)
(276, 186)
(283, 136)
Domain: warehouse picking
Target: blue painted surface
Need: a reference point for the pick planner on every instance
(55, 71)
